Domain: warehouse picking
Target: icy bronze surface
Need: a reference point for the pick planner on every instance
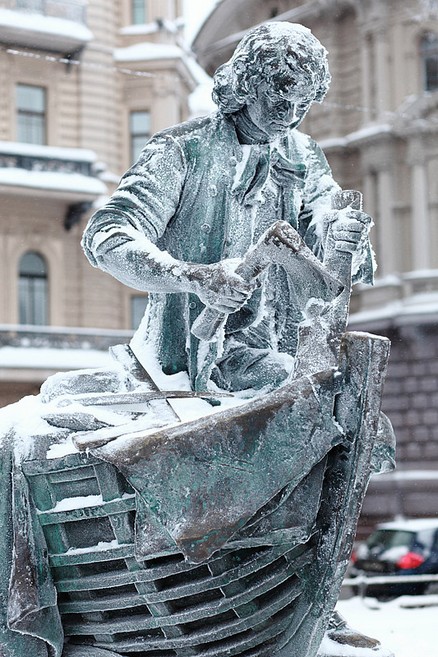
(200, 497)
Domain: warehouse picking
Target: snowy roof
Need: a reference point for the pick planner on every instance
(148, 52)
(39, 31)
(52, 152)
(418, 307)
(371, 132)
(151, 28)
(410, 525)
(75, 183)
(48, 358)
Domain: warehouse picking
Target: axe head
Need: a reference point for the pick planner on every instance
(282, 245)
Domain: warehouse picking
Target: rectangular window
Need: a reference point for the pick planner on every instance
(33, 289)
(31, 104)
(431, 73)
(33, 301)
(138, 307)
(429, 53)
(31, 5)
(138, 12)
(139, 131)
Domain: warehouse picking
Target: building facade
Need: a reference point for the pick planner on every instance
(379, 129)
(84, 83)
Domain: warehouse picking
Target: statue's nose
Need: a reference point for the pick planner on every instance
(286, 110)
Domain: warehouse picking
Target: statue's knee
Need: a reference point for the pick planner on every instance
(244, 368)
(81, 382)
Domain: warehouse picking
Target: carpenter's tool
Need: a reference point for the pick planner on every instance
(279, 245)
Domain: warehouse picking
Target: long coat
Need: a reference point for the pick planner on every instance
(200, 195)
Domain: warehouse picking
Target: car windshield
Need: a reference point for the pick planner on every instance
(390, 538)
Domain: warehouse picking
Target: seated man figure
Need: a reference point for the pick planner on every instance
(202, 193)
(182, 219)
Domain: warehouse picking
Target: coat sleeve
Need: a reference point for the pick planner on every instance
(319, 190)
(136, 216)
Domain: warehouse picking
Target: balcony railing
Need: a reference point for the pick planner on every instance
(67, 172)
(72, 10)
(38, 163)
(55, 337)
(362, 582)
(50, 25)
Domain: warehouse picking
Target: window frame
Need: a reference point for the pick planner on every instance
(34, 128)
(137, 137)
(33, 288)
(429, 56)
(139, 12)
(137, 313)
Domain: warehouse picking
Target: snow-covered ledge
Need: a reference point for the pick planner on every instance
(400, 299)
(149, 51)
(33, 30)
(64, 172)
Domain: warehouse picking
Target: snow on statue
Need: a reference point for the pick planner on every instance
(203, 192)
(216, 472)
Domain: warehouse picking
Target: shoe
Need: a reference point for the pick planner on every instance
(341, 640)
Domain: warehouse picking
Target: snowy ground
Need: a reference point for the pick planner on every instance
(407, 631)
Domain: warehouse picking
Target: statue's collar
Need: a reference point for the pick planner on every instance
(282, 144)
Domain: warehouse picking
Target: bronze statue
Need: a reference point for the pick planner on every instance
(201, 497)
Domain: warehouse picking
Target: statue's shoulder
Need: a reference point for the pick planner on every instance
(196, 128)
(307, 150)
(305, 142)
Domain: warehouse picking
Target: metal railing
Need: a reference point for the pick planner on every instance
(362, 582)
(54, 165)
(73, 10)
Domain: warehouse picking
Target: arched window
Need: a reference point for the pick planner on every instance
(429, 56)
(33, 289)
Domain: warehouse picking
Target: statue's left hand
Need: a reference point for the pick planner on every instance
(349, 228)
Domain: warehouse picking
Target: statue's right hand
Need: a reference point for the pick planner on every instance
(219, 287)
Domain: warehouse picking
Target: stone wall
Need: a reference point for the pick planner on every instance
(411, 402)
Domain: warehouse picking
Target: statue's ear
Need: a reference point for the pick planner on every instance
(239, 66)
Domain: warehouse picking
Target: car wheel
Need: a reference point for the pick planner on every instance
(431, 589)
(386, 598)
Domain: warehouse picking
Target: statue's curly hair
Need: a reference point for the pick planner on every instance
(286, 55)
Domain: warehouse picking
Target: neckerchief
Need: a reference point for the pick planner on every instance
(266, 161)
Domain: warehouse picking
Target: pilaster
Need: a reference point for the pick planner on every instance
(420, 222)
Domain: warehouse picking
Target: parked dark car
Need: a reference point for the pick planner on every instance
(402, 548)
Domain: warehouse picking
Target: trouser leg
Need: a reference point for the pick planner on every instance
(242, 367)
(87, 651)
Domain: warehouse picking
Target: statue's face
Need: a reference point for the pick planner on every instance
(274, 112)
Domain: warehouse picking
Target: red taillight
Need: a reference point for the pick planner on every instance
(353, 557)
(410, 560)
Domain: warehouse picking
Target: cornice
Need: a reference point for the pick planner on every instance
(207, 49)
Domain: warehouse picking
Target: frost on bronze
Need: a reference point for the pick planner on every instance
(200, 498)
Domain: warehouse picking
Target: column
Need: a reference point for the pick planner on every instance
(370, 197)
(367, 99)
(420, 225)
(387, 234)
(381, 72)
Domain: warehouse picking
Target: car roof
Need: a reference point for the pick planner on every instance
(411, 525)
